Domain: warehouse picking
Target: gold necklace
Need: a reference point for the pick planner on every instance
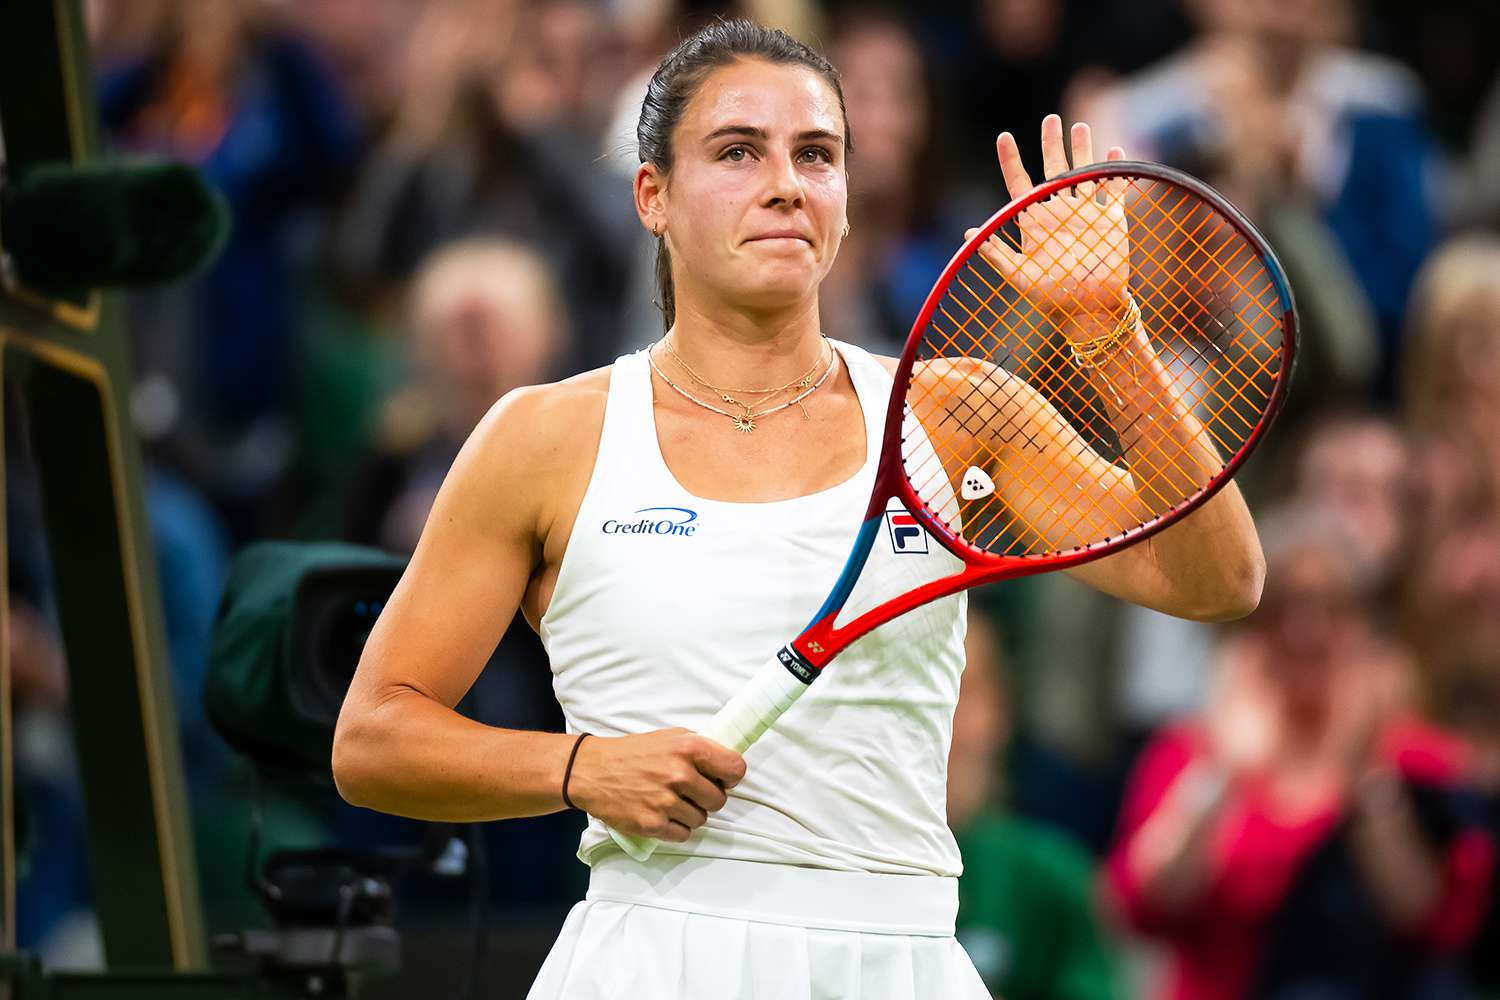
(746, 422)
(796, 383)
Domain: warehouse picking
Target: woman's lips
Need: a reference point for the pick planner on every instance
(780, 234)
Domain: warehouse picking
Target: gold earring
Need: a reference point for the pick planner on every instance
(846, 229)
(656, 229)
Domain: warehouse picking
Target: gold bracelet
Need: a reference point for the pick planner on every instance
(1085, 354)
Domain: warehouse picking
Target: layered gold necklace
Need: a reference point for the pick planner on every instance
(744, 421)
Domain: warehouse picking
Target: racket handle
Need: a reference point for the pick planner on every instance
(737, 725)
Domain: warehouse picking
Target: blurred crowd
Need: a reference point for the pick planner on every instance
(431, 205)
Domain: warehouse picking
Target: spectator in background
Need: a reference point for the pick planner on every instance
(645, 30)
(904, 222)
(362, 41)
(1357, 469)
(1305, 837)
(1475, 197)
(474, 149)
(560, 72)
(486, 317)
(1454, 613)
(1018, 57)
(1271, 97)
(1454, 46)
(1026, 903)
(1452, 391)
(227, 87)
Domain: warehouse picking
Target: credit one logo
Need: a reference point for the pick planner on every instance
(659, 521)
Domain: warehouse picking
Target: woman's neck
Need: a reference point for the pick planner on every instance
(739, 349)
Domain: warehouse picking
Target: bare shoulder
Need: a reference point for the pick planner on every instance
(544, 423)
(533, 446)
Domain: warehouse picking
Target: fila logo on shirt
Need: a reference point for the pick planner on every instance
(678, 521)
(906, 535)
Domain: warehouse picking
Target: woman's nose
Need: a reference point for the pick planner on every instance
(784, 184)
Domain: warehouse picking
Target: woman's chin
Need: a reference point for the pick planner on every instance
(772, 282)
(778, 297)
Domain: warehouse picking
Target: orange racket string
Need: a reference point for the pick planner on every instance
(1206, 311)
(1066, 380)
(988, 328)
(1234, 278)
(1022, 482)
(1037, 493)
(940, 474)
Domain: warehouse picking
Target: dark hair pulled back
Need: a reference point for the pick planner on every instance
(678, 78)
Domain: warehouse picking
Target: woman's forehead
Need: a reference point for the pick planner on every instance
(763, 95)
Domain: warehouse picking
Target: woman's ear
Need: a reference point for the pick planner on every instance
(651, 198)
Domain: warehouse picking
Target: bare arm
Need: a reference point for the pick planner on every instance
(1207, 566)
(401, 748)
(1073, 263)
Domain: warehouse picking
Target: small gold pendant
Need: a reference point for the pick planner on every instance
(745, 423)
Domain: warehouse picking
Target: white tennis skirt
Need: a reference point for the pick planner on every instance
(694, 928)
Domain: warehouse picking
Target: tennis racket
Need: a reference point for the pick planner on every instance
(1006, 365)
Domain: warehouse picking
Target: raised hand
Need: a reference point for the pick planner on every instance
(1074, 255)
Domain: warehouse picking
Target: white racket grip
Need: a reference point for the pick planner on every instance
(742, 721)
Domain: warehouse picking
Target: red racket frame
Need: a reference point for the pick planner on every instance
(821, 641)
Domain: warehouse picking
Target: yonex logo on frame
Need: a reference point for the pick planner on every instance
(907, 536)
(668, 521)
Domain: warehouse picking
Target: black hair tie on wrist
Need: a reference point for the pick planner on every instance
(568, 771)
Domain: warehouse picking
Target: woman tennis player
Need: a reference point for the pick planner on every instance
(667, 522)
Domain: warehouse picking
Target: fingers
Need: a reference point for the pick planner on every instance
(698, 793)
(716, 761)
(1083, 154)
(1017, 181)
(687, 814)
(674, 832)
(709, 796)
(1083, 145)
(662, 784)
(1000, 255)
(1115, 189)
(1054, 154)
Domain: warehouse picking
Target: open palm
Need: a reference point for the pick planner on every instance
(1074, 254)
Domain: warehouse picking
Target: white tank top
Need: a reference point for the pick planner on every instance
(666, 603)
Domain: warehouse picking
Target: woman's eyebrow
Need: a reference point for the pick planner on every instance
(753, 132)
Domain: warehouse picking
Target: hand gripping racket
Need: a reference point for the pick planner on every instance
(1092, 365)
